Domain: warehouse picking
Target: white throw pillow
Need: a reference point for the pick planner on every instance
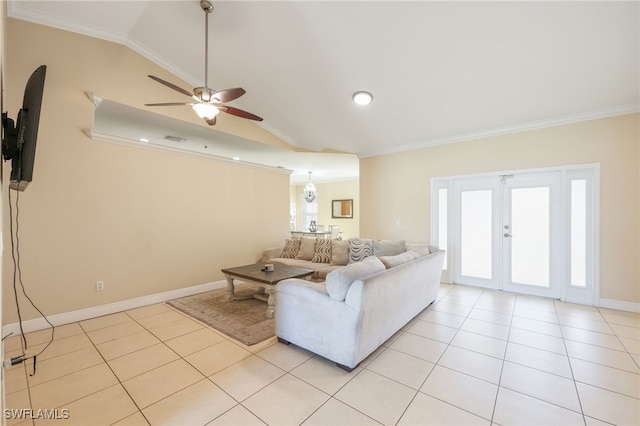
(398, 259)
(339, 281)
(388, 247)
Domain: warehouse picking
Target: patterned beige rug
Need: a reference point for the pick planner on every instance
(243, 320)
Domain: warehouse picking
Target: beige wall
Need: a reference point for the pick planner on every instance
(395, 189)
(147, 222)
(343, 190)
(144, 222)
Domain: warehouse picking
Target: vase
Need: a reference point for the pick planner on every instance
(313, 227)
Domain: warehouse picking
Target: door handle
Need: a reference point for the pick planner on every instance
(507, 235)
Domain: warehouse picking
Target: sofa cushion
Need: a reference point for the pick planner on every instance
(339, 281)
(388, 248)
(307, 249)
(323, 269)
(417, 247)
(421, 251)
(291, 248)
(322, 253)
(339, 252)
(359, 249)
(398, 259)
(416, 254)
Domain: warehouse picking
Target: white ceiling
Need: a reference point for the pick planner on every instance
(439, 72)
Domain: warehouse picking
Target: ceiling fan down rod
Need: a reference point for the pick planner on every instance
(208, 8)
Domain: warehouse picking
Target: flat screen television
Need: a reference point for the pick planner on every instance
(19, 140)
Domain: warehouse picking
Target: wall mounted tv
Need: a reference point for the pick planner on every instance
(19, 140)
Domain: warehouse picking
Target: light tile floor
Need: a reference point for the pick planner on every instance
(474, 357)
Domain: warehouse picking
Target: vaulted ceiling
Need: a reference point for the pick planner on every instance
(439, 72)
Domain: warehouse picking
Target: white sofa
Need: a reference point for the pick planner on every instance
(359, 306)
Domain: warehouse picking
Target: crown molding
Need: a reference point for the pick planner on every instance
(14, 10)
(36, 17)
(523, 127)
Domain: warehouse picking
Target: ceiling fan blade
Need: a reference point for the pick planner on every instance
(170, 104)
(171, 85)
(211, 121)
(240, 113)
(228, 95)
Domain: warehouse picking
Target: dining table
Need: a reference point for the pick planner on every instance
(311, 234)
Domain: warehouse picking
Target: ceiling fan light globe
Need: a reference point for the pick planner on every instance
(206, 111)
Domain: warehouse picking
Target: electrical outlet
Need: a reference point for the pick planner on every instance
(99, 285)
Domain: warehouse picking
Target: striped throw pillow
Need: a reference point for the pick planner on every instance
(291, 248)
(323, 252)
(359, 249)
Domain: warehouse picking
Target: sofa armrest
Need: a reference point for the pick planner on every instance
(311, 291)
(307, 317)
(270, 254)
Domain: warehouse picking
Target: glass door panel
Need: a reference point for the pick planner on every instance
(476, 234)
(443, 225)
(476, 222)
(578, 233)
(530, 236)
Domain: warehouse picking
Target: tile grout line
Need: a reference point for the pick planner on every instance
(208, 378)
(445, 350)
(566, 354)
(504, 359)
(573, 377)
(116, 376)
(449, 344)
(180, 357)
(618, 337)
(434, 364)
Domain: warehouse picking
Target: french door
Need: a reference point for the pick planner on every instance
(508, 233)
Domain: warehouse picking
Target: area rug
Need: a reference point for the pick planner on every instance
(243, 320)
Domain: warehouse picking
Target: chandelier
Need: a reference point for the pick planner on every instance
(310, 192)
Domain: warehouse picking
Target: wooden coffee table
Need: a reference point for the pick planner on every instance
(266, 280)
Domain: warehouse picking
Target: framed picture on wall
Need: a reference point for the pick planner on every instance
(342, 209)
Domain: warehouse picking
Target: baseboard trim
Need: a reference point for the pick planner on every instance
(110, 308)
(620, 305)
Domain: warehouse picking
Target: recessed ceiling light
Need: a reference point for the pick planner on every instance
(362, 98)
(174, 138)
(236, 158)
(143, 140)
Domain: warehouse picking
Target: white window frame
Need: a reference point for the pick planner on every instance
(309, 212)
(436, 186)
(589, 294)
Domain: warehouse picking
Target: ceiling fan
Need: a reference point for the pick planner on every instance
(208, 102)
